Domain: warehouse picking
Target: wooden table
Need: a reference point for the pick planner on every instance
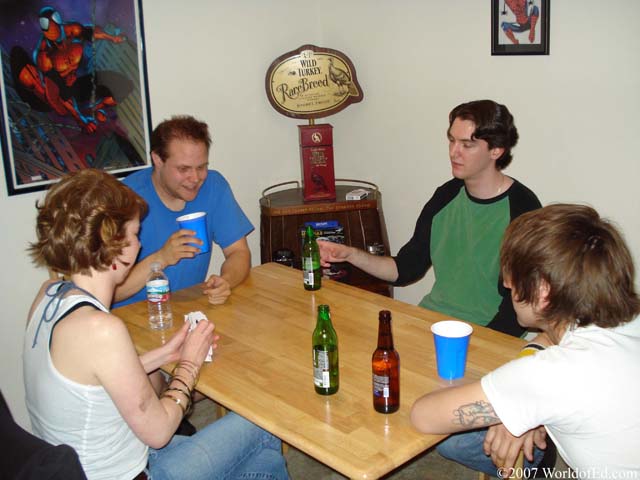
(262, 367)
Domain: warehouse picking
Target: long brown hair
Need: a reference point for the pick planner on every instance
(581, 257)
(81, 223)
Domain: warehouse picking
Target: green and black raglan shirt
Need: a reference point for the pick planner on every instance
(460, 236)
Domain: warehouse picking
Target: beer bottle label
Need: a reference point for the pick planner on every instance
(381, 385)
(308, 277)
(321, 368)
(307, 264)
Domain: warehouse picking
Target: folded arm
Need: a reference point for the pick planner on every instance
(453, 409)
(504, 448)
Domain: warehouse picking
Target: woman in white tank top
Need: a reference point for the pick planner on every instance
(86, 385)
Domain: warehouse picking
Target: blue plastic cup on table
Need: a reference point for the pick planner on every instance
(451, 338)
(198, 223)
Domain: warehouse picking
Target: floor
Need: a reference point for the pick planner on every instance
(429, 466)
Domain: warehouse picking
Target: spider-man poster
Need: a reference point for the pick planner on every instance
(520, 27)
(74, 90)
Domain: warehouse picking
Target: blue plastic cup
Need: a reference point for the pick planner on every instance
(451, 338)
(198, 223)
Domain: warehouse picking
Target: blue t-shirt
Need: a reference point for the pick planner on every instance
(226, 223)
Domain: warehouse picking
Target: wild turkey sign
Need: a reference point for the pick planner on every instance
(313, 82)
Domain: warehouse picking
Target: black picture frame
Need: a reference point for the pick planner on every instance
(56, 119)
(511, 27)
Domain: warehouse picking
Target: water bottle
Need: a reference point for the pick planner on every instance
(158, 293)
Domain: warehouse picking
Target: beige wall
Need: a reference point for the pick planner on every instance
(576, 110)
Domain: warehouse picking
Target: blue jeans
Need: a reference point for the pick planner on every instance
(466, 448)
(228, 448)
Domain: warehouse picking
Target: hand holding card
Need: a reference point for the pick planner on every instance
(193, 318)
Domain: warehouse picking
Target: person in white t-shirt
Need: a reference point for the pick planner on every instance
(571, 276)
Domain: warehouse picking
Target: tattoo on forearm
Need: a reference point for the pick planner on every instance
(476, 414)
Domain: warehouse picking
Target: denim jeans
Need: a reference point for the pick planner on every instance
(228, 448)
(466, 448)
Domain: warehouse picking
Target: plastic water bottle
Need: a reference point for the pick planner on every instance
(158, 294)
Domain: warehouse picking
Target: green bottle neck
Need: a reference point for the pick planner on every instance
(309, 237)
(324, 317)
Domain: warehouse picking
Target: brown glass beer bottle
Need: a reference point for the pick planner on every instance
(385, 365)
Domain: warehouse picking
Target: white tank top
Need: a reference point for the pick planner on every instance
(64, 411)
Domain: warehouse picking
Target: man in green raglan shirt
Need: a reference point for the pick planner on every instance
(460, 228)
(459, 233)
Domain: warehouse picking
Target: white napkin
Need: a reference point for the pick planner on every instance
(194, 318)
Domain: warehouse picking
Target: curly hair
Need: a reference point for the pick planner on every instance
(494, 124)
(182, 127)
(580, 256)
(81, 223)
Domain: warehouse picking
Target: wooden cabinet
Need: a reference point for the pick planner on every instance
(283, 212)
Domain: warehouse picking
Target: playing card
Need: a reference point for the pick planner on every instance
(194, 318)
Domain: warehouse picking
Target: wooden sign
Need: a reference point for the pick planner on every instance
(312, 82)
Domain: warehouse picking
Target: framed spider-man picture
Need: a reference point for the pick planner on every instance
(74, 90)
(520, 27)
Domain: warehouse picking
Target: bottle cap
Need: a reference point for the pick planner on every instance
(155, 266)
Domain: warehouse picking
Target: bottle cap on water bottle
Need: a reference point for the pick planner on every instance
(155, 266)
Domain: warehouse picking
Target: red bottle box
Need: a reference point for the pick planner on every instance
(316, 162)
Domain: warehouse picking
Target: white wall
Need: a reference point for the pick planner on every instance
(576, 110)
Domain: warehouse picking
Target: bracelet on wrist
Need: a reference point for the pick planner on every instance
(189, 367)
(177, 400)
(180, 380)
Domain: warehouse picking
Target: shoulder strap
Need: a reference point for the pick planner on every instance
(73, 308)
(56, 293)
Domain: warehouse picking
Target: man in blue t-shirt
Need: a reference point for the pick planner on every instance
(178, 184)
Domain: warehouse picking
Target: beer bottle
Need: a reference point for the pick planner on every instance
(385, 365)
(311, 273)
(326, 377)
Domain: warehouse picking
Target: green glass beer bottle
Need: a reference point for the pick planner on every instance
(326, 376)
(311, 273)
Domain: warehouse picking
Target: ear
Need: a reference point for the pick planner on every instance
(156, 159)
(496, 152)
(544, 289)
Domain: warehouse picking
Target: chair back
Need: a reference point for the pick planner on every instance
(27, 457)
